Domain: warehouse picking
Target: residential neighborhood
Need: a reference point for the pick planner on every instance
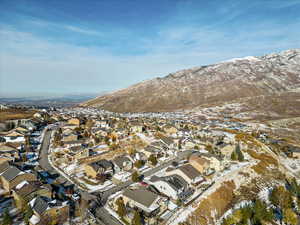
(89, 166)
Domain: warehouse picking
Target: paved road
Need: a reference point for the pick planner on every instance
(101, 213)
(43, 158)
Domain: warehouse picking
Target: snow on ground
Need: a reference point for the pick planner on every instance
(219, 178)
(291, 164)
(230, 211)
(103, 187)
(145, 138)
(122, 176)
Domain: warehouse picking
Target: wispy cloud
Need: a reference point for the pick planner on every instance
(72, 28)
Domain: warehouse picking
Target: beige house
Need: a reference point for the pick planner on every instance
(227, 150)
(74, 121)
(170, 129)
(295, 152)
(150, 203)
(26, 191)
(13, 176)
(47, 211)
(187, 172)
(98, 168)
(199, 163)
(70, 137)
(136, 127)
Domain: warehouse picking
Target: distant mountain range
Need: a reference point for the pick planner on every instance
(236, 79)
(57, 101)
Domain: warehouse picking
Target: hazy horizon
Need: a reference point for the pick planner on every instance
(65, 47)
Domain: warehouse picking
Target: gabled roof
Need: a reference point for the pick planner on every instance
(103, 163)
(175, 181)
(120, 161)
(27, 188)
(198, 159)
(167, 140)
(11, 173)
(4, 166)
(142, 196)
(7, 147)
(39, 204)
(189, 171)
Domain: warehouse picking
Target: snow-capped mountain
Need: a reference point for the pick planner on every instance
(226, 81)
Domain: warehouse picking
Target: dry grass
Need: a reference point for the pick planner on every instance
(219, 202)
(13, 114)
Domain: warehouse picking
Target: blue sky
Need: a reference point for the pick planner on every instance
(60, 47)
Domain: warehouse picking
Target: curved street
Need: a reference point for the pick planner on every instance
(100, 212)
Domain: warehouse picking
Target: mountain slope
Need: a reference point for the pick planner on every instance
(225, 81)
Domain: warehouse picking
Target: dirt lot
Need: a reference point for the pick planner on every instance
(12, 114)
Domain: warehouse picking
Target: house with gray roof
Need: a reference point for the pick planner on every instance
(143, 199)
(46, 210)
(173, 186)
(187, 172)
(13, 176)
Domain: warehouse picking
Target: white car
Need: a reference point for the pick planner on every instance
(75, 197)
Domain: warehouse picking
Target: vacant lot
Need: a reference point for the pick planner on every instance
(12, 114)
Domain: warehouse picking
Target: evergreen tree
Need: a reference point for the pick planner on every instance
(7, 220)
(137, 220)
(233, 156)
(135, 176)
(261, 213)
(295, 188)
(121, 207)
(27, 213)
(281, 198)
(290, 217)
(153, 160)
(239, 153)
(138, 163)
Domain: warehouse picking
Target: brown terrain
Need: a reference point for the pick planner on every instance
(14, 114)
(271, 82)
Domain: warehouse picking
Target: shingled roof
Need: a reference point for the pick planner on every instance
(11, 173)
(142, 196)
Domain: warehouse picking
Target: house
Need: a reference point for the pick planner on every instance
(70, 137)
(48, 211)
(69, 126)
(168, 141)
(75, 121)
(25, 191)
(188, 143)
(187, 172)
(122, 163)
(4, 165)
(150, 150)
(101, 123)
(98, 168)
(9, 152)
(68, 144)
(169, 129)
(295, 151)
(143, 199)
(13, 176)
(22, 130)
(173, 186)
(226, 149)
(38, 115)
(136, 127)
(78, 152)
(199, 163)
(14, 136)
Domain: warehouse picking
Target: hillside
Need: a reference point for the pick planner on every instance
(226, 81)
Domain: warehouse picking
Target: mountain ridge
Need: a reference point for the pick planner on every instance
(225, 81)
